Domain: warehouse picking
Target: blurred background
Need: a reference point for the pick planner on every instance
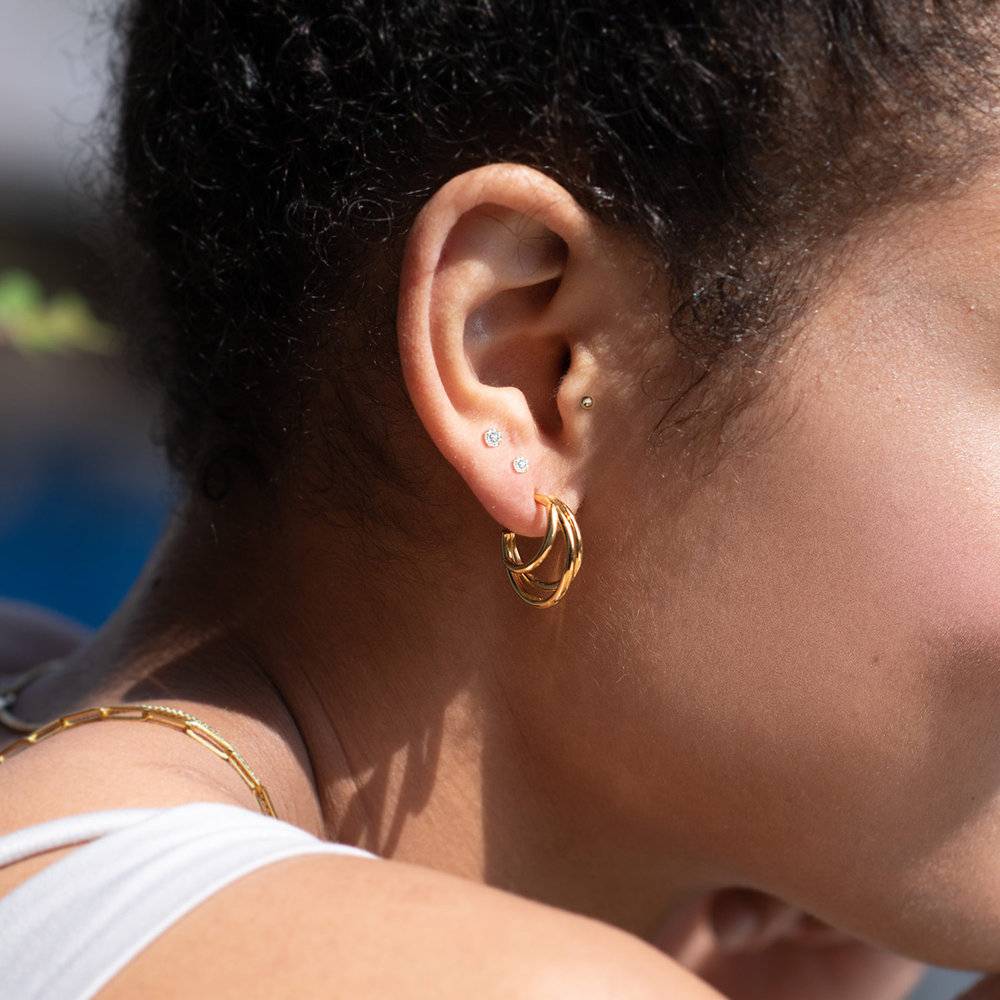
(83, 491)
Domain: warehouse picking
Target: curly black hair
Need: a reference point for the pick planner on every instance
(271, 155)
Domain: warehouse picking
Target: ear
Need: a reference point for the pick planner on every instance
(502, 291)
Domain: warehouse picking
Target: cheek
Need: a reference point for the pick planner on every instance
(842, 684)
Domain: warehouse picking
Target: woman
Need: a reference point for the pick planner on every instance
(707, 288)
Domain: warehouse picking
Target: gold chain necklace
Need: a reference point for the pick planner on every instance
(200, 731)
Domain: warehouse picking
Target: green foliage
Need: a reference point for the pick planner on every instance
(63, 322)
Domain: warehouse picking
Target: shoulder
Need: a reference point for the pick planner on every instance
(328, 926)
(323, 926)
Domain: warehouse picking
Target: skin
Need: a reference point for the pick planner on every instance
(776, 671)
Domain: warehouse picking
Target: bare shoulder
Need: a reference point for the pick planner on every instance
(327, 927)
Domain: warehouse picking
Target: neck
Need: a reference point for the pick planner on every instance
(399, 713)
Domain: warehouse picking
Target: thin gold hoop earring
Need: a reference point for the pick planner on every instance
(544, 593)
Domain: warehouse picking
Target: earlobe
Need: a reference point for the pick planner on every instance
(496, 306)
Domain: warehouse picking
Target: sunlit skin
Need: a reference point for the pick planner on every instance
(778, 669)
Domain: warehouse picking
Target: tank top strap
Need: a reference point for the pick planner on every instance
(72, 926)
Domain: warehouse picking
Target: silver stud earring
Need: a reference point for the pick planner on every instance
(492, 437)
(587, 402)
(520, 464)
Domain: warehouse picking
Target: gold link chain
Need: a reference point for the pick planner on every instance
(199, 731)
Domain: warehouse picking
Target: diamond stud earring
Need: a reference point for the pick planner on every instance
(492, 437)
(587, 402)
(520, 464)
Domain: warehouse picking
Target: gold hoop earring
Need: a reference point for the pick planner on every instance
(527, 586)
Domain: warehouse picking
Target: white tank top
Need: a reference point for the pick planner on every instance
(65, 931)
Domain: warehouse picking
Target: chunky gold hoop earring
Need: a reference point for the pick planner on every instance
(527, 586)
